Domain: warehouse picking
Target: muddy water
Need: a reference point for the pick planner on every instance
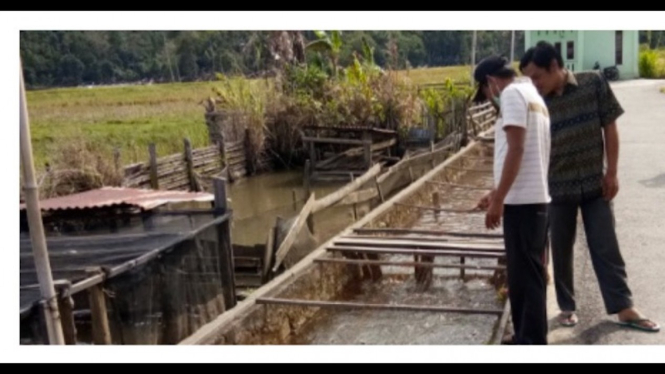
(398, 286)
(258, 201)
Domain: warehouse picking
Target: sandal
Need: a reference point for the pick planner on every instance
(568, 319)
(638, 324)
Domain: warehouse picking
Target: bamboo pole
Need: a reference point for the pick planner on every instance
(355, 206)
(309, 167)
(39, 249)
(154, 180)
(393, 307)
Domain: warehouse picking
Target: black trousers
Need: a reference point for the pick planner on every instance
(604, 249)
(525, 233)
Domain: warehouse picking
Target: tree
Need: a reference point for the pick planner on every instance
(71, 70)
(329, 44)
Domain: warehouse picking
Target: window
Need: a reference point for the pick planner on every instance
(557, 46)
(570, 53)
(618, 47)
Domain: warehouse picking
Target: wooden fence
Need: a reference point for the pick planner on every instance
(188, 170)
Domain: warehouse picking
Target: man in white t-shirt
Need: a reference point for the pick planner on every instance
(520, 194)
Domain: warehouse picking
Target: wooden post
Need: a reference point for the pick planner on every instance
(101, 333)
(307, 176)
(378, 188)
(189, 163)
(432, 131)
(292, 234)
(312, 155)
(367, 147)
(225, 244)
(462, 272)
(154, 182)
(222, 154)
(250, 161)
(268, 254)
(435, 202)
(454, 121)
(116, 160)
(66, 307)
(295, 199)
(355, 206)
(308, 192)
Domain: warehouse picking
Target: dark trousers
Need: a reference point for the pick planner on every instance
(604, 249)
(525, 235)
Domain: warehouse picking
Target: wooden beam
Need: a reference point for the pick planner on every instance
(355, 206)
(448, 184)
(101, 333)
(154, 181)
(312, 153)
(351, 129)
(294, 198)
(392, 230)
(482, 113)
(189, 162)
(291, 236)
(268, 254)
(66, 308)
(367, 149)
(338, 195)
(407, 162)
(393, 307)
(416, 244)
(309, 139)
(472, 170)
(407, 264)
(503, 322)
(357, 151)
(437, 239)
(224, 242)
(378, 189)
(359, 196)
(308, 192)
(461, 211)
(342, 172)
(422, 252)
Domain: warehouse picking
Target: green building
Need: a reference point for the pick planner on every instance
(582, 49)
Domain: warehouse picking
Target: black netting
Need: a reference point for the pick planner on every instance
(173, 288)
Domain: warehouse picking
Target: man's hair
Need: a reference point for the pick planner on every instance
(541, 55)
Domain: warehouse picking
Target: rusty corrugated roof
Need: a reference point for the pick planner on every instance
(112, 196)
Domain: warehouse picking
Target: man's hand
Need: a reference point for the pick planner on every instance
(494, 213)
(610, 186)
(485, 201)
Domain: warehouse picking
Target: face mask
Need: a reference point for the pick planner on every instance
(496, 97)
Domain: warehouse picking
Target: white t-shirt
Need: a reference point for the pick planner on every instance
(521, 105)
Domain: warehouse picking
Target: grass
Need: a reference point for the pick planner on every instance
(661, 63)
(131, 117)
(438, 74)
